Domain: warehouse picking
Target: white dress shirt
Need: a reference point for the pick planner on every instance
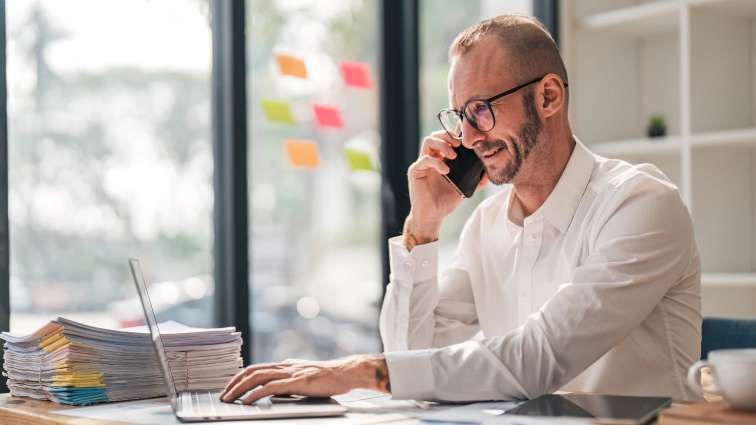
(596, 291)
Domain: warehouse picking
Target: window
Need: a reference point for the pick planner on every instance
(315, 279)
(109, 157)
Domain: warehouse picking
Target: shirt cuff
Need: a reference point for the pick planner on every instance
(414, 266)
(411, 374)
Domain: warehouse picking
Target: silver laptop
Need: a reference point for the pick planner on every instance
(192, 406)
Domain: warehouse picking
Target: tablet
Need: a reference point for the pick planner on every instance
(611, 409)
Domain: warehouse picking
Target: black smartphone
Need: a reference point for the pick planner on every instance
(465, 171)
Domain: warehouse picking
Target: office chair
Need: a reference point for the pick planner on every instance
(720, 333)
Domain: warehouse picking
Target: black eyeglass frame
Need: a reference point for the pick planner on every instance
(462, 116)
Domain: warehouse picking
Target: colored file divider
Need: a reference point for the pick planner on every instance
(356, 74)
(277, 111)
(302, 153)
(328, 116)
(291, 65)
(358, 160)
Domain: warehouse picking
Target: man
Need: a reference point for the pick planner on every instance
(582, 275)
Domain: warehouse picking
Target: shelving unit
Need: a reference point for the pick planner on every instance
(693, 61)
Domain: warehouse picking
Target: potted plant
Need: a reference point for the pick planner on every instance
(657, 126)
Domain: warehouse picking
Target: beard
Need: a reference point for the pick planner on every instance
(521, 146)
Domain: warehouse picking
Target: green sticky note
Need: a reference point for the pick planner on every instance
(358, 160)
(277, 111)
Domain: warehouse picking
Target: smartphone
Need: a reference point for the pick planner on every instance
(465, 171)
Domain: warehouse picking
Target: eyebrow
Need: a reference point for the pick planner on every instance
(474, 97)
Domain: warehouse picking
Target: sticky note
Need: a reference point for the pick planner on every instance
(358, 160)
(328, 116)
(355, 74)
(290, 65)
(277, 111)
(302, 153)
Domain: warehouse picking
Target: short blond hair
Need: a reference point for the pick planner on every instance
(531, 49)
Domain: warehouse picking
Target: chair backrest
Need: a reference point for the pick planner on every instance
(720, 333)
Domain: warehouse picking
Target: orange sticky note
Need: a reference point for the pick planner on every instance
(355, 74)
(328, 116)
(290, 65)
(302, 153)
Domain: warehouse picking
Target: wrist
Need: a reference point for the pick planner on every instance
(375, 374)
(417, 232)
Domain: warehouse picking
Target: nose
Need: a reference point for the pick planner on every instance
(470, 135)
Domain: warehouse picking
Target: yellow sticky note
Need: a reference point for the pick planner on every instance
(277, 111)
(358, 160)
(290, 65)
(302, 153)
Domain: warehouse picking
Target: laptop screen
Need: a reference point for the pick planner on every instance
(157, 341)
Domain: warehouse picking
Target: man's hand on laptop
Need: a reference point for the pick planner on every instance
(308, 378)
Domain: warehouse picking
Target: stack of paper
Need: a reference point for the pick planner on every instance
(72, 363)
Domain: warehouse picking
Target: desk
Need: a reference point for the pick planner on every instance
(25, 411)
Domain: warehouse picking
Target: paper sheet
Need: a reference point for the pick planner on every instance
(291, 65)
(356, 74)
(277, 111)
(358, 160)
(302, 153)
(328, 116)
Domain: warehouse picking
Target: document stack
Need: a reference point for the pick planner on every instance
(73, 363)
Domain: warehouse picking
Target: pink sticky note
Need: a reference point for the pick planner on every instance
(356, 74)
(328, 116)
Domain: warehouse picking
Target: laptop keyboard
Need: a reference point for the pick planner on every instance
(209, 403)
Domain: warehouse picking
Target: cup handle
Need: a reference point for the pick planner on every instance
(694, 377)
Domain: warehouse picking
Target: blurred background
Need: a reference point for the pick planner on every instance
(111, 150)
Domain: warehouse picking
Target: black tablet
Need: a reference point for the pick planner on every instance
(612, 409)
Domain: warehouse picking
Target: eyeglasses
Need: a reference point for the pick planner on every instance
(478, 113)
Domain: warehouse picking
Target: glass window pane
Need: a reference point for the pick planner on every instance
(316, 268)
(109, 157)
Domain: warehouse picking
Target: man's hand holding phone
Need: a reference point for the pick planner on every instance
(432, 196)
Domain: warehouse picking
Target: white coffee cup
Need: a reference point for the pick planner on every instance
(734, 376)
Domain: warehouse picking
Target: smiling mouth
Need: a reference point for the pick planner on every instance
(492, 153)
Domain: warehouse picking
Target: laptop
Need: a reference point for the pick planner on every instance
(194, 406)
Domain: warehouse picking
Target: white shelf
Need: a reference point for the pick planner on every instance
(694, 62)
(642, 20)
(730, 7)
(659, 17)
(742, 137)
(670, 145)
(740, 280)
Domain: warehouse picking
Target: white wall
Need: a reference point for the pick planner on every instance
(660, 87)
(606, 93)
(721, 77)
(722, 208)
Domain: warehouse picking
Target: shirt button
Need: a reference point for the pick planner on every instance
(533, 237)
(408, 264)
(425, 263)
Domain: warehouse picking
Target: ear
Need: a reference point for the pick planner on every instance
(552, 95)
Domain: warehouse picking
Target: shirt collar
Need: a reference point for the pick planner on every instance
(560, 206)
(562, 202)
